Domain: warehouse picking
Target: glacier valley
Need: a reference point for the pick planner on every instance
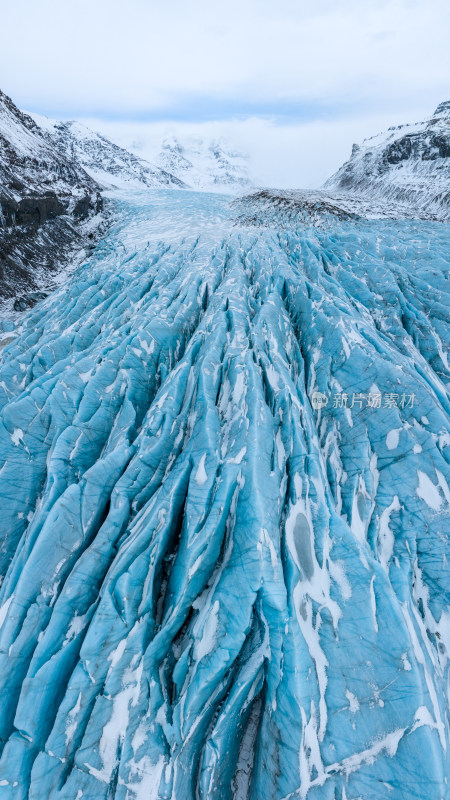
(224, 472)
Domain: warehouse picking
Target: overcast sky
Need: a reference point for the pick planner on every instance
(294, 82)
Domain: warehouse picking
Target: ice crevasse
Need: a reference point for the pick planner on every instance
(212, 587)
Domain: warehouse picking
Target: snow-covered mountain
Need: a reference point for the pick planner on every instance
(51, 177)
(403, 173)
(29, 161)
(48, 202)
(213, 166)
(408, 164)
(108, 164)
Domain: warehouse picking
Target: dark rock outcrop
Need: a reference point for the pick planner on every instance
(46, 199)
(32, 210)
(408, 165)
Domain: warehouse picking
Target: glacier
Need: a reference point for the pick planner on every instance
(224, 472)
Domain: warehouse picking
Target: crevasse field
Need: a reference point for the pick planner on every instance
(224, 472)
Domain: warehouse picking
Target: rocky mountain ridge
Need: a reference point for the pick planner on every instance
(110, 165)
(191, 163)
(403, 173)
(407, 165)
(52, 175)
(49, 206)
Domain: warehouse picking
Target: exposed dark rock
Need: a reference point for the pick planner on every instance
(32, 210)
(88, 204)
(28, 301)
(407, 165)
(45, 199)
(439, 147)
(398, 151)
(311, 208)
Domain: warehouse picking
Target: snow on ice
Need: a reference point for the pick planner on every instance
(209, 588)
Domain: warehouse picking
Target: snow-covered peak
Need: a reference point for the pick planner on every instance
(442, 111)
(210, 165)
(29, 162)
(189, 162)
(18, 130)
(110, 165)
(407, 163)
(171, 143)
(50, 208)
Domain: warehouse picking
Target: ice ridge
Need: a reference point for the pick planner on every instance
(221, 579)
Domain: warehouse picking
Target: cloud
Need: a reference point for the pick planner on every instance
(247, 56)
(294, 155)
(295, 82)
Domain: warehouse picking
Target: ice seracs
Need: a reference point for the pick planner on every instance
(210, 589)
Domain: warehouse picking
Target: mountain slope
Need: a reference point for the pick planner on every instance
(213, 166)
(408, 164)
(108, 164)
(28, 160)
(48, 203)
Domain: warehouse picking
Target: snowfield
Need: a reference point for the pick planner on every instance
(224, 464)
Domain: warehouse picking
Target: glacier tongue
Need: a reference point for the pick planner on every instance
(220, 578)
